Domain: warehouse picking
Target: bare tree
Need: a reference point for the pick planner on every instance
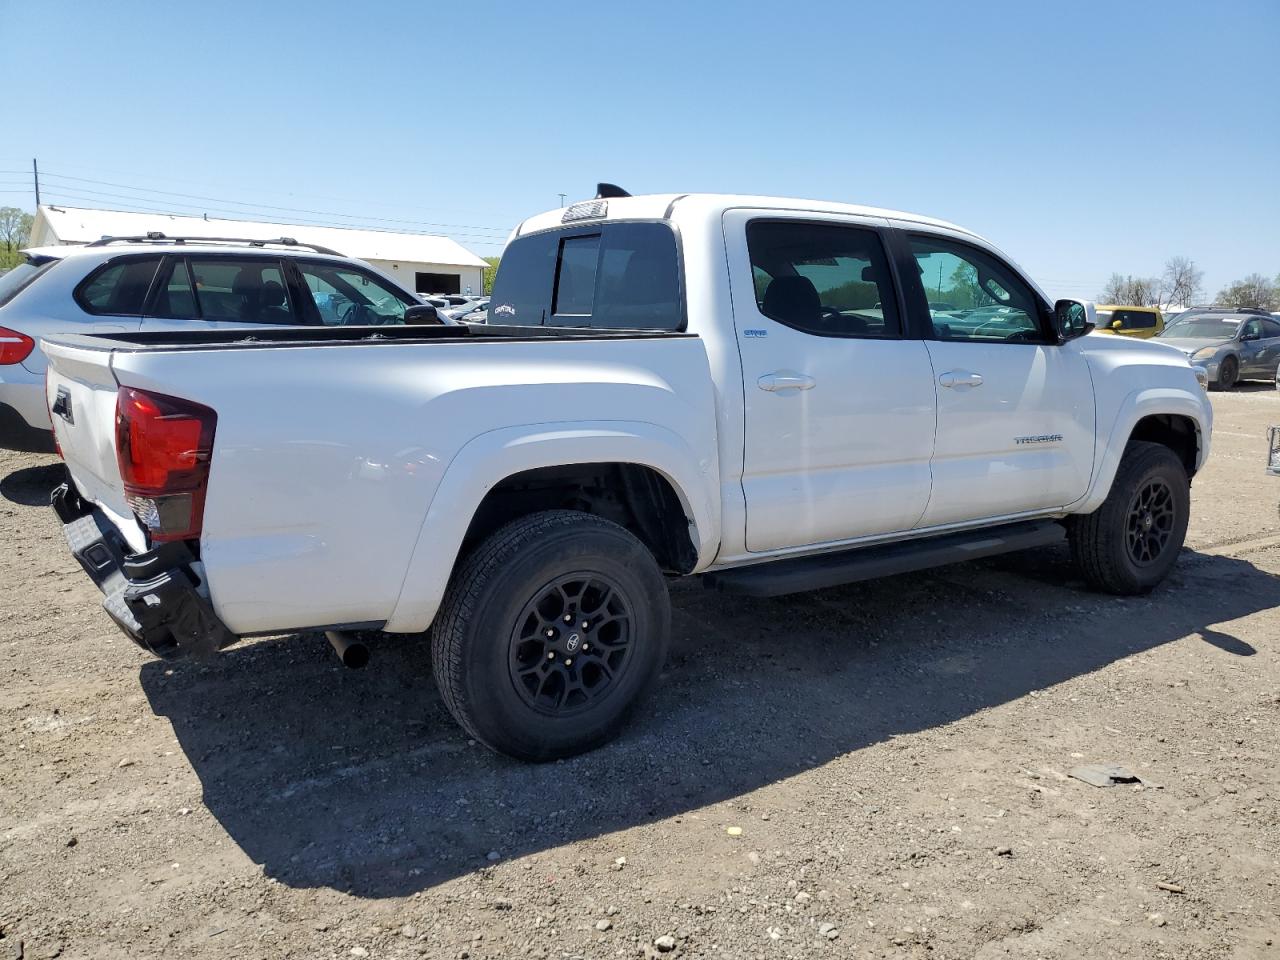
(1131, 291)
(1181, 283)
(1254, 290)
(15, 228)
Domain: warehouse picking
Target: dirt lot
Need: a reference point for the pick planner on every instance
(893, 753)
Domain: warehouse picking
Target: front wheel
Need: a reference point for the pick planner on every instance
(1130, 543)
(550, 633)
(1228, 374)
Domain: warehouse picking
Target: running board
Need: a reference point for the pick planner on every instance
(778, 577)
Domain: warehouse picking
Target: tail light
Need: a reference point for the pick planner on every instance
(14, 346)
(164, 445)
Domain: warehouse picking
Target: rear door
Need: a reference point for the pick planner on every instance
(839, 400)
(203, 290)
(1015, 408)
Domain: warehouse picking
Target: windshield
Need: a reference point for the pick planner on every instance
(20, 276)
(1204, 328)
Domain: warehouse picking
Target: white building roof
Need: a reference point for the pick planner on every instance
(62, 224)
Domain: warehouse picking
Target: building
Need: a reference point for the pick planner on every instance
(420, 262)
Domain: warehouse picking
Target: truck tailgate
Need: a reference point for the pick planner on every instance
(82, 391)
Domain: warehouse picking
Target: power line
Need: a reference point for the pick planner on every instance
(139, 205)
(266, 206)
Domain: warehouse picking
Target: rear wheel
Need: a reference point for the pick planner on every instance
(550, 633)
(1228, 374)
(1129, 544)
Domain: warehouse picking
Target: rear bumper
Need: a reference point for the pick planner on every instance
(153, 597)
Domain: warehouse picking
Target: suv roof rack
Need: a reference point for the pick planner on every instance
(156, 236)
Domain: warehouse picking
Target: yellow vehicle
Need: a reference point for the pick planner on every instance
(1142, 322)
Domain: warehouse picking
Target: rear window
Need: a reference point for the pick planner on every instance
(20, 277)
(119, 287)
(613, 275)
(1134, 319)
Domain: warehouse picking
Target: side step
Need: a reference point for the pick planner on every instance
(778, 577)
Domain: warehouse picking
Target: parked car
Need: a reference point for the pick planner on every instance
(1231, 345)
(475, 312)
(677, 395)
(1125, 321)
(126, 284)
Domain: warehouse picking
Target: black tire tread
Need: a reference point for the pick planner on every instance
(1090, 534)
(462, 598)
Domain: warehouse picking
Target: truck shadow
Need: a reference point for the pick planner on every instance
(360, 781)
(32, 486)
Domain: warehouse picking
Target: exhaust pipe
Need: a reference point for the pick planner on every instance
(349, 648)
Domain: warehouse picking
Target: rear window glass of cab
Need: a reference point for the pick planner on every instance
(623, 275)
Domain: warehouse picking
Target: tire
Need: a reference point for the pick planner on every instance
(509, 685)
(1228, 374)
(1114, 547)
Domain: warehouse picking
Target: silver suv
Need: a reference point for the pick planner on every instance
(124, 284)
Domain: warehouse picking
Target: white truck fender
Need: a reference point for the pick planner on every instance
(1143, 402)
(490, 458)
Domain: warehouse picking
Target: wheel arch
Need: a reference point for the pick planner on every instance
(1169, 416)
(641, 475)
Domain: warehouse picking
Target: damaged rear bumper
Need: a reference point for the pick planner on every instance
(155, 597)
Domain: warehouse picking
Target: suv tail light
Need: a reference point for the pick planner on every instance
(14, 346)
(164, 445)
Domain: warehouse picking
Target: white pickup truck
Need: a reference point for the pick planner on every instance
(776, 395)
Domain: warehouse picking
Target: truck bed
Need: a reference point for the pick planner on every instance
(334, 447)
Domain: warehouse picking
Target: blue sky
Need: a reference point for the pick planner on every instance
(1083, 138)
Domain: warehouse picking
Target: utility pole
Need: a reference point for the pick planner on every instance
(35, 173)
(561, 196)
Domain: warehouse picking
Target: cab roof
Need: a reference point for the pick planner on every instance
(666, 206)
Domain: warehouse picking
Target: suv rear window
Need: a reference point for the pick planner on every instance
(611, 275)
(118, 287)
(1134, 319)
(20, 277)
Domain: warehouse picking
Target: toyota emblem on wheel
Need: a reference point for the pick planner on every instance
(572, 643)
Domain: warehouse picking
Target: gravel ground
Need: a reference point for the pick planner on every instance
(872, 771)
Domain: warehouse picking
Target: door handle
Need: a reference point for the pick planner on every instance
(773, 382)
(960, 378)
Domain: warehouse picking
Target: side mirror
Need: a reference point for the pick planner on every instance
(1117, 324)
(1247, 337)
(1074, 318)
(422, 315)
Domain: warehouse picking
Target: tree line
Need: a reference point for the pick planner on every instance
(1182, 284)
(15, 231)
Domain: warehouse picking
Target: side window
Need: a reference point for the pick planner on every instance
(118, 288)
(352, 298)
(823, 278)
(989, 302)
(240, 289)
(176, 296)
(626, 276)
(1270, 329)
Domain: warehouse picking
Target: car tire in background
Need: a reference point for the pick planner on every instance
(1130, 543)
(1228, 374)
(550, 633)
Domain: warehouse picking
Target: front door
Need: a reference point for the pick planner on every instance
(1015, 408)
(1260, 354)
(839, 404)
